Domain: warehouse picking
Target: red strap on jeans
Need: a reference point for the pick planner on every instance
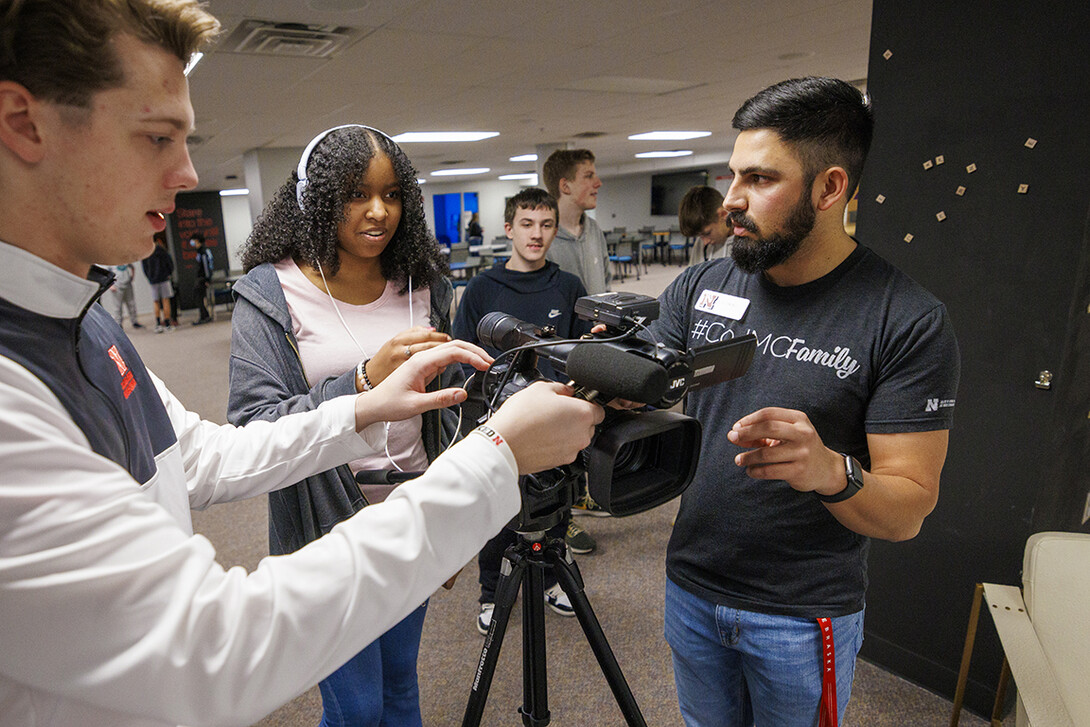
(827, 710)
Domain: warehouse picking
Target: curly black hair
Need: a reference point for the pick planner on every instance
(336, 167)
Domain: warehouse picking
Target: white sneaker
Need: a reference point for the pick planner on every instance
(557, 600)
(484, 618)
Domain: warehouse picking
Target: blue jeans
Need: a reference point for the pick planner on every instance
(739, 668)
(377, 687)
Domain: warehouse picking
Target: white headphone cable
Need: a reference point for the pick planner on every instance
(337, 310)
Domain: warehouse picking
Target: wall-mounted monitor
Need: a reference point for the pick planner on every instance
(668, 188)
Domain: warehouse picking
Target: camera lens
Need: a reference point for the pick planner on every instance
(631, 457)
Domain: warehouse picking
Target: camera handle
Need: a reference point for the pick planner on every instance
(523, 566)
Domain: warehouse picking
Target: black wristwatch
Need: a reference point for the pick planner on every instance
(853, 473)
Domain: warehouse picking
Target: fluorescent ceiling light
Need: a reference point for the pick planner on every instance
(457, 172)
(193, 61)
(421, 181)
(531, 176)
(524, 158)
(410, 137)
(233, 192)
(628, 84)
(669, 135)
(664, 154)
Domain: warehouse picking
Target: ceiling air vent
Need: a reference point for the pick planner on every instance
(287, 39)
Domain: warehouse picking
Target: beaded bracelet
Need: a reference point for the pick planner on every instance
(361, 373)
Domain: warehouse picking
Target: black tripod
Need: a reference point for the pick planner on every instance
(523, 566)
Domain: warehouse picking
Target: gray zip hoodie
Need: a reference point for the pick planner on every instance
(267, 382)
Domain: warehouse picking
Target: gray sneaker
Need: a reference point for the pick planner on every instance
(579, 540)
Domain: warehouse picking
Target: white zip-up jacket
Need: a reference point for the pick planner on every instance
(112, 612)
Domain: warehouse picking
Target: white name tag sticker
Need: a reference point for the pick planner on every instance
(722, 304)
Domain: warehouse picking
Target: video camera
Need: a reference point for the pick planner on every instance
(637, 460)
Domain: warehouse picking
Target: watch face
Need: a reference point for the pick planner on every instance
(854, 472)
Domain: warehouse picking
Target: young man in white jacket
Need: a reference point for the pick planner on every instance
(112, 612)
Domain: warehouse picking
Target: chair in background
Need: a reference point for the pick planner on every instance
(1045, 632)
(460, 268)
(459, 252)
(682, 247)
(647, 246)
(501, 250)
(621, 258)
(612, 238)
(219, 291)
(662, 241)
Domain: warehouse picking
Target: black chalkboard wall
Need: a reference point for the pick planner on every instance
(973, 100)
(196, 212)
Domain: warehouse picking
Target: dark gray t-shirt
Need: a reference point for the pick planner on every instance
(861, 350)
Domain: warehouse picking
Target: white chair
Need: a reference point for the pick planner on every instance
(1045, 632)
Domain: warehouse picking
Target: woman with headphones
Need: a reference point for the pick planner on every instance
(344, 283)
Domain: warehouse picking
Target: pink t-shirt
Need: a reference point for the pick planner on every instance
(327, 350)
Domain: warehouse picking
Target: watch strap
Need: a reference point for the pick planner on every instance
(853, 476)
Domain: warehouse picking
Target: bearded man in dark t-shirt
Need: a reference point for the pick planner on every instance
(837, 433)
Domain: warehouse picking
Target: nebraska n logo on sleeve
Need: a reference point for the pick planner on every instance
(936, 404)
(128, 381)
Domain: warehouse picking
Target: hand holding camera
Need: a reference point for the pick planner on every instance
(528, 421)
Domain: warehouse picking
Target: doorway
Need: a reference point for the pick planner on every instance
(452, 212)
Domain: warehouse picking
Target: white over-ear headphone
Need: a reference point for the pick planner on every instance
(301, 172)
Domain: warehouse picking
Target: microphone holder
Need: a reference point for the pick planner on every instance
(523, 567)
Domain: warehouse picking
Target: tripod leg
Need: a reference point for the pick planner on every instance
(512, 574)
(535, 692)
(567, 574)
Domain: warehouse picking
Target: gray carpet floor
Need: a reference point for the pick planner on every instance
(624, 583)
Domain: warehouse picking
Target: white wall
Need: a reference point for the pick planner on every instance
(625, 201)
(141, 291)
(237, 224)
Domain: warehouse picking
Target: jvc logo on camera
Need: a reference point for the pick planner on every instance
(677, 383)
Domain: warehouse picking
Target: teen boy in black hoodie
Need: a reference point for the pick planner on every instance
(537, 291)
